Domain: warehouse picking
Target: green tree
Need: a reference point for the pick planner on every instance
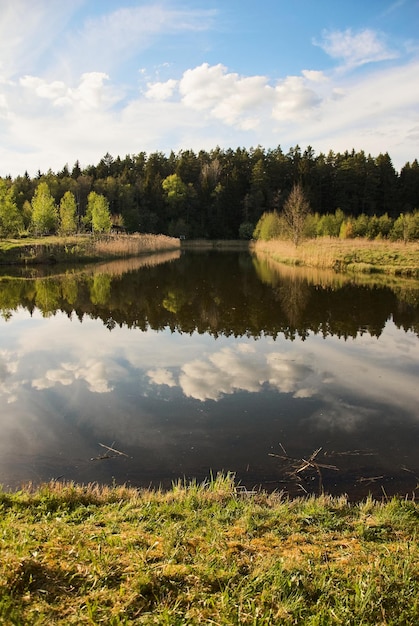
(175, 189)
(98, 213)
(295, 211)
(44, 211)
(406, 227)
(68, 214)
(11, 221)
(268, 226)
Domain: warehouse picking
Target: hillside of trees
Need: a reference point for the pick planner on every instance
(217, 194)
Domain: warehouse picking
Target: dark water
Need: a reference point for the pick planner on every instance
(195, 363)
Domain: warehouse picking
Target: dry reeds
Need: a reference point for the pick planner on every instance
(132, 245)
(355, 255)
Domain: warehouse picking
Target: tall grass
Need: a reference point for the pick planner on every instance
(82, 248)
(131, 245)
(205, 554)
(355, 255)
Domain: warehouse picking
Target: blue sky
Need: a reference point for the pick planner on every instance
(82, 78)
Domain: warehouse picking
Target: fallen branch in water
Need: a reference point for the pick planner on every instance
(113, 449)
(296, 467)
(102, 457)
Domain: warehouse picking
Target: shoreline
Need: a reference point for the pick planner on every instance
(349, 256)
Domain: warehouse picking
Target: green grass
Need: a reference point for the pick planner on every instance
(205, 554)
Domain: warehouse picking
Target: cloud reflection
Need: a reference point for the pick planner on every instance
(58, 353)
(93, 372)
(161, 376)
(242, 368)
(8, 367)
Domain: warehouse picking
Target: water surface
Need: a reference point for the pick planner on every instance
(195, 363)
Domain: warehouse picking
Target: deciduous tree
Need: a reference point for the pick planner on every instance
(68, 214)
(175, 189)
(295, 211)
(98, 209)
(11, 221)
(44, 211)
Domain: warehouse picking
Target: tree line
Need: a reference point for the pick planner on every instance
(216, 194)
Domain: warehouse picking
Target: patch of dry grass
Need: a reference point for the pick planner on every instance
(132, 245)
(355, 255)
(82, 248)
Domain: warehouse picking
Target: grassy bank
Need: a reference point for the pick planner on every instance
(81, 248)
(347, 255)
(209, 554)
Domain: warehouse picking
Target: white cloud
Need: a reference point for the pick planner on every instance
(242, 101)
(90, 93)
(226, 96)
(43, 89)
(48, 123)
(315, 76)
(294, 98)
(161, 91)
(356, 49)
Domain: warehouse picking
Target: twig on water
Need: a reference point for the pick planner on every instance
(297, 467)
(369, 479)
(102, 457)
(113, 449)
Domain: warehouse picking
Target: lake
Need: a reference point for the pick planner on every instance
(185, 364)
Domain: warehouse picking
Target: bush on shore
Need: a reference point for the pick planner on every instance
(403, 228)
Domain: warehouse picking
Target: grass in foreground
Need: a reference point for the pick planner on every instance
(352, 255)
(207, 554)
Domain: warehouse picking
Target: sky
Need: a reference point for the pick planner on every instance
(85, 78)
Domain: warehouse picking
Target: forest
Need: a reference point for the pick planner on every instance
(220, 194)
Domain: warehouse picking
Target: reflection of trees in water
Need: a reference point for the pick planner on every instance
(100, 289)
(69, 288)
(220, 293)
(47, 296)
(294, 296)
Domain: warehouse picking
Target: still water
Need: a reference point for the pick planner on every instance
(189, 363)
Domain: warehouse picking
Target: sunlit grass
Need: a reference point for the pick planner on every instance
(352, 255)
(205, 554)
(82, 248)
